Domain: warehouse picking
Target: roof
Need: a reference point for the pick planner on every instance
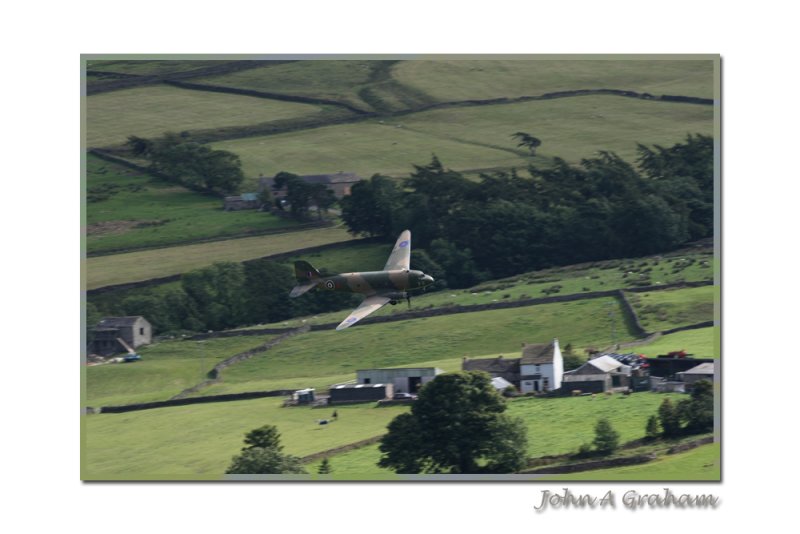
(401, 369)
(249, 196)
(116, 322)
(492, 365)
(500, 383)
(702, 369)
(537, 353)
(605, 363)
(357, 386)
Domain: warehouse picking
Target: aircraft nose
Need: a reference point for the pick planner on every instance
(428, 279)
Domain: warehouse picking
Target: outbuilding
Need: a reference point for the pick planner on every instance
(360, 393)
(704, 371)
(598, 375)
(402, 379)
(134, 331)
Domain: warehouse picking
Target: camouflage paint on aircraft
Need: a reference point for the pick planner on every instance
(379, 287)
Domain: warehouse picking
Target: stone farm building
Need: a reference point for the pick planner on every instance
(340, 183)
(403, 380)
(538, 369)
(704, 371)
(598, 375)
(360, 393)
(134, 331)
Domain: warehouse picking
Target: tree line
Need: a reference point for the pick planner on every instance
(189, 163)
(223, 295)
(507, 222)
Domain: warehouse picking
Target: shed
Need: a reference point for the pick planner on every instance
(132, 330)
(360, 393)
(500, 384)
(597, 375)
(403, 379)
(704, 371)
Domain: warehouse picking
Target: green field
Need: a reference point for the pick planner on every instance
(702, 343)
(318, 355)
(660, 310)
(146, 67)
(478, 137)
(466, 79)
(142, 211)
(153, 110)
(338, 80)
(555, 426)
(144, 265)
(200, 440)
(166, 369)
(701, 463)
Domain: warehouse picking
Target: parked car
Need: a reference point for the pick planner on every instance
(404, 396)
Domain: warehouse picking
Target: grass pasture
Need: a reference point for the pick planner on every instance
(660, 310)
(450, 80)
(145, 67)
(153, 110)
(200, 440)
(476, 137)
(144, 265)
(166, 369)
(702, 343)
(318, 355)
(142, 211)
(701, 463)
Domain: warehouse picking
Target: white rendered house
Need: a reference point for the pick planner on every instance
(541, 367)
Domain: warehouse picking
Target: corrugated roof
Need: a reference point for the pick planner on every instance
(605, 363)
(702, 369)
(500, 383)
(537, 353)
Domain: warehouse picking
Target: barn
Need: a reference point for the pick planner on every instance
(597, 375)
(133, 331)
(403, 379)
(360, 393)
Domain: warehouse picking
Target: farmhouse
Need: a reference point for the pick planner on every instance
(598, 375)
(541, 367)
(360, 393)
(402, 380)
(245, 201)
(133, 331)
(505, 368)
(340, 183)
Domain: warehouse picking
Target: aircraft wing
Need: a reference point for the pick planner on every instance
(369, 305)
(400, 258)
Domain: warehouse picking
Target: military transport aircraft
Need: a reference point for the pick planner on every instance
(388, 286)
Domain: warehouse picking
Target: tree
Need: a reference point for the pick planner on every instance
(262, 455)
(652, 431)
(260, 461)
(528, 141)
(698, 411)
(606, 439)
(669, 418)
(457, 425)
(325, 467)
(265, 437)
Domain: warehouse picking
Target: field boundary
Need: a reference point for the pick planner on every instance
(279, 256)
(449, 310)
(290, 125)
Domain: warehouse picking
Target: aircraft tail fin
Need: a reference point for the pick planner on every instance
(305, 272)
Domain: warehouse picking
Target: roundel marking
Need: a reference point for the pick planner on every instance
(403, 244)
(329, 284)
